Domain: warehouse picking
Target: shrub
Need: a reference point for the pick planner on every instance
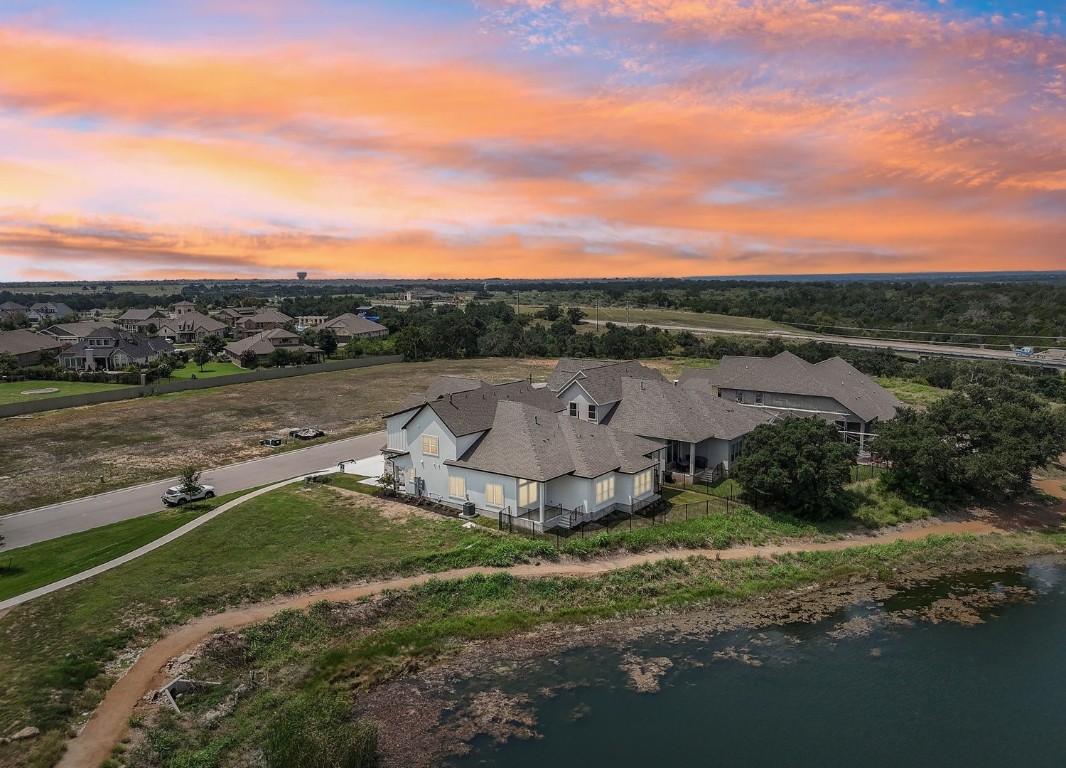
(314, 731)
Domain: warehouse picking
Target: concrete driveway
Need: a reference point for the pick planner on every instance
(56, 520)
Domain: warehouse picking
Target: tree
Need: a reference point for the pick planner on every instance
(201, 356)
(189, 479)
(801, 465)
(551, 313)
(982, 440)
(327, 340)
(214, 343)
(9, 364)
(575, 315)
(279, 358)
(249, 359)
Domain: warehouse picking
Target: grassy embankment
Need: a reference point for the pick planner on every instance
(36, 565)
(332, 650)
(135, 441)
(53, 650)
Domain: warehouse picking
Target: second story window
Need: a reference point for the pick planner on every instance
(758, 398)
(740, 397)
(430, 446)
(592, 412)
(573, 409)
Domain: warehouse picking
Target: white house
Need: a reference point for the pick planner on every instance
(512, 449)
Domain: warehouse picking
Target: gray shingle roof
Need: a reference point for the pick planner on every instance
(568, 367)
(11, 306)
(140, 315)
(535, 444)
(21, 342)
(668, 411)
(439, 387)
(603, 379)
(190, 322)
(354, 324)
(134, 345)
(464, 413)
(262, 343)
(787, 374)
(269, 316)
(79, 329)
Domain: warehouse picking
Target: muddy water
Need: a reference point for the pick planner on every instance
(969, 671)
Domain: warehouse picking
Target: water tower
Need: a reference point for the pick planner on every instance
(301, 275)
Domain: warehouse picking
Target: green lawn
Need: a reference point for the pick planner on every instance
(11, 391)
(911, 392)
(52, 650)
(210, 370)
(36, 565)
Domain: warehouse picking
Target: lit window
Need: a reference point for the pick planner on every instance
(494, 494)
(642, 483)
(429, 445)
(527, 493)
(573, 409)
(592, 412)
(605, 489)
(457, 487)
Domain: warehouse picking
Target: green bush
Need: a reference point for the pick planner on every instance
(319, 732)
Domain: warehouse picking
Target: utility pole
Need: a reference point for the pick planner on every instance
(597, 314)
(627, 314)
(518, 303)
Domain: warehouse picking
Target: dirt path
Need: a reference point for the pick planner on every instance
(93, 744)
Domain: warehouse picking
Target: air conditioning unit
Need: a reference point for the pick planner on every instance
(468, 510)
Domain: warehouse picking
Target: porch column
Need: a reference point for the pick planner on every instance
(541, 487)
(692, 460)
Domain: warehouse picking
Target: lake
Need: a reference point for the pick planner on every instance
(919, 679)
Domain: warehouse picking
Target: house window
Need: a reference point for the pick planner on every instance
(494, 494)
(411, 476)
(457, 487)
(592, 412)
(527, 493)
(605, 489)
(573, 409)
(758, 398)
(430, 446)
(642, 482)
(735, 449)
(740, 397)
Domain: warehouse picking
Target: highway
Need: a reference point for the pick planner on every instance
(903, 347)
(44, 523)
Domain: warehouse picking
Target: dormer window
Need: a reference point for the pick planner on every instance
(592, 412)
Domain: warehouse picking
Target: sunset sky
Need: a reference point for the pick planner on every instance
(530, 138)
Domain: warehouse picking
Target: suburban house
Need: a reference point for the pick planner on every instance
(190, 327)
(11, 309)
(230, 315)
(700, 433)
(72, 333)
(349, 326)
(111, 349)
(264, 343)
(429, 295)
(28, 346)
(304, 322)
(48, 312)
(264, 320)
(141, 320)
(512, 450)
(832, 389)
(591, 389)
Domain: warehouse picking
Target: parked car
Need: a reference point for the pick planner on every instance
(307, 433)
(174, 495)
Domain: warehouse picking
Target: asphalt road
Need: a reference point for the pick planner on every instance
(56, 520)
(912, 347)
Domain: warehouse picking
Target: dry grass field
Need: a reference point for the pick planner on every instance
(59, 455)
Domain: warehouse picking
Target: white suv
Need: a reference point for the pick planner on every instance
(175, 495)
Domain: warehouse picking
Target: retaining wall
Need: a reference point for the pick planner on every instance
(167, 387)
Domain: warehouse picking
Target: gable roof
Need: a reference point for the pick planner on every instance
(262, 343)
(79, 329)
(568, 367)
(140, 315)
(354, 324)
(444, 384)
(11, 306)
(603, 380)
(668, 411)
(190, 322)
(464, 413)
(788, 374)
(22, 342)
(535, 444)
(132, 344)
(268, 316)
